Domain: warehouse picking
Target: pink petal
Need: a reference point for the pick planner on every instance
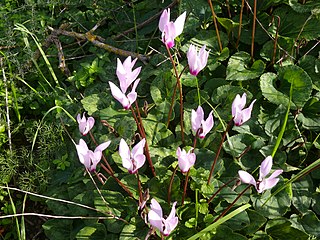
(196, 118)
(207, 125)
(276, 173)
(169, 34)
(265, 167)
(124, 153)
(203, 56)
(132, 96)
(267, 184)
(155, 206)
(246, 177)
(89, 125)
(164, 19)
(117, 94)
(192, 59)
(179, 24)
(139, 161)
(102, 146)
(246, 113)
(155, 220)
(138, 148)
(82, 123)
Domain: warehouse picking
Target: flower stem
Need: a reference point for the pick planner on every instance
(185, 187)
(240, 24)
(230, 206)
(180, 93)
(118, 181)
(198, 90)
(224, 185)
(139, 189)
(170, 184)
(187, 176)
(253, 28)
(103, 157)
(214, 16)
(219, 149)
(143, 134)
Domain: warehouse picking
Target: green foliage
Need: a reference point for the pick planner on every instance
(282, 74)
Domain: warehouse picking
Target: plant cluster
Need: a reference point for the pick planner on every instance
(226, 150)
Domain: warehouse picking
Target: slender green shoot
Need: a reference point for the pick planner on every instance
(40, 124)
(14, 212)
(211, 228)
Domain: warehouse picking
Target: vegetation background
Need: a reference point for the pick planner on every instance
(57, 57)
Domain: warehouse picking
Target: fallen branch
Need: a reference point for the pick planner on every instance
(99, 42)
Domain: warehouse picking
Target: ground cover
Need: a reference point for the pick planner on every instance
(159, 119)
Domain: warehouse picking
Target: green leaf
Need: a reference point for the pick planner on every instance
(281, 229)
(302, 193)
(240, 68)
(126, 127)
(58, 228)
(311, 223)
(276, 206)
(301, 86)
(223, 232)
(256, 221)
(96, 231)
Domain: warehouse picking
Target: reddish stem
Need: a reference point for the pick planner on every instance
(224, 185)
(143, 134)
(219, 149)
(103, 157)
(117, 180)
(180, 93)
(214, 16)
(170, 184)
(185, 188)
(139, 189)
(230, 206)
(253, 28)
(240, 24)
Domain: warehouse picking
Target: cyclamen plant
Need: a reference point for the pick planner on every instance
(133, 160)
(263, 183)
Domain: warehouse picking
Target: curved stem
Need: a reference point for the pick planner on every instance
(253, 28)
(214, 16)
(180, 93)
(240, 24)
(103, 157)
(187, 176)
(173, 97)
(185, 188)
(219, 190)
(139, 189)
(219, 149)
(143, 134)
(170, 184)
(230, 206)
(118, 181)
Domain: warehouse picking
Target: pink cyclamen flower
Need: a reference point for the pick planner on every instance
(85, 125)
(126, 77)
(132, 160)
(89, 158)
(239, 114)
(198, 124)
(155, 216)
(125, 100)
(197, 61)
(263, 183)
(185, 160)
(125, 74)
(170, 30)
